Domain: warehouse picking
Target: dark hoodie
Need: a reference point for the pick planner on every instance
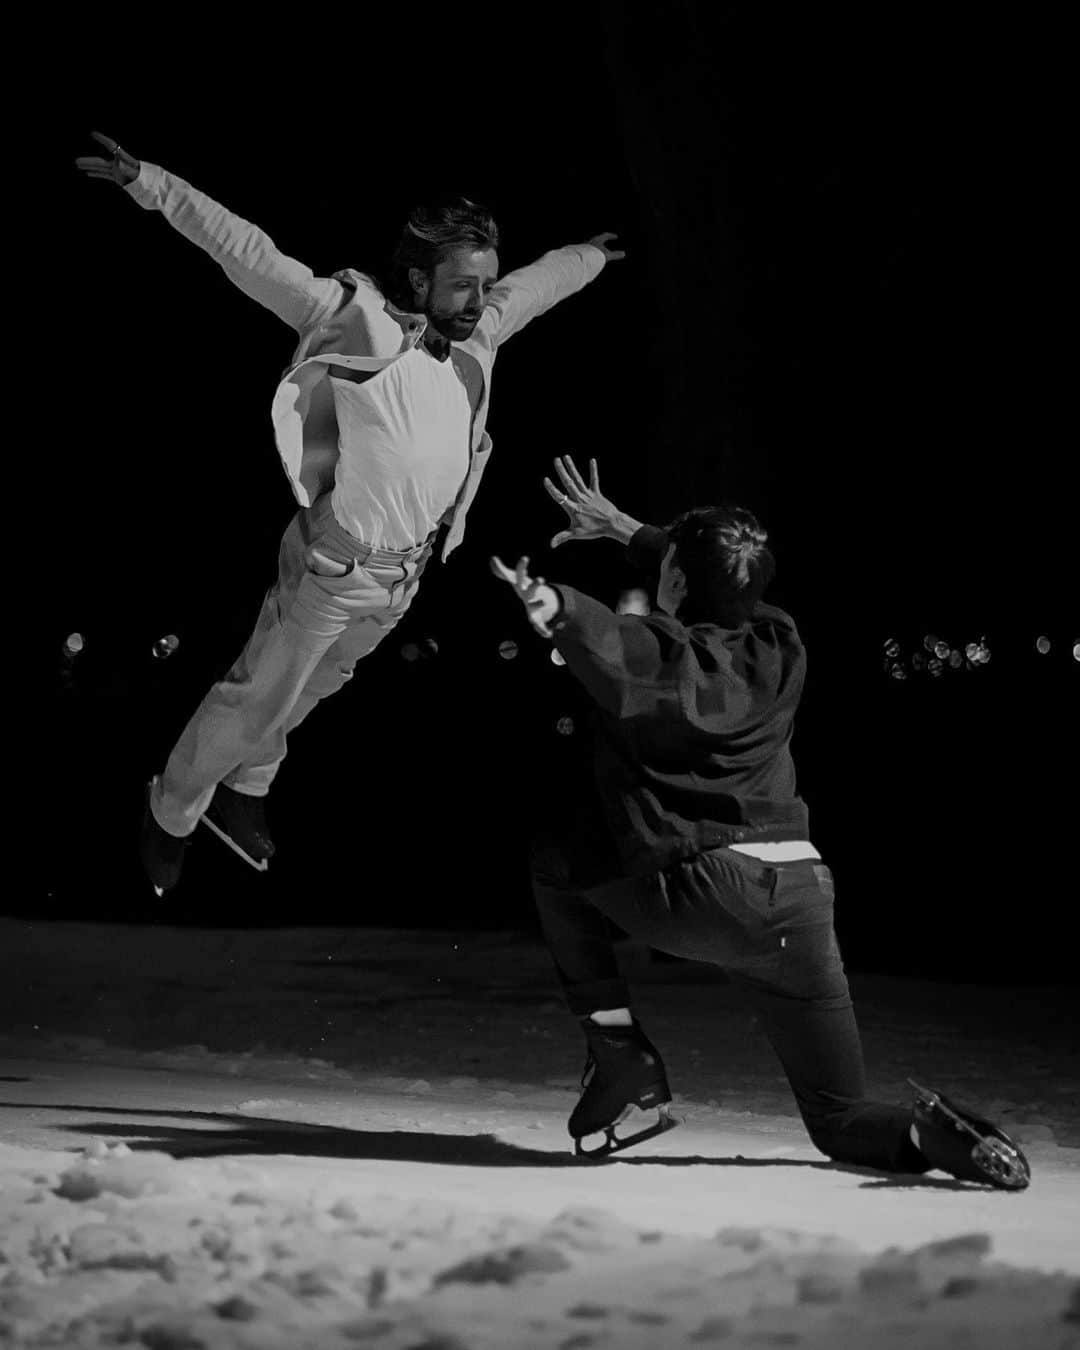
(693, 723)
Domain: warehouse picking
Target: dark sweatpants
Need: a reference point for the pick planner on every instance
(769, 926)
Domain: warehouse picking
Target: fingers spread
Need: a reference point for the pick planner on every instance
(560, 469)
(575, 477)
(501, 570)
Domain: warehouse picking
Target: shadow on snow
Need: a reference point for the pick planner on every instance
(227, 1134)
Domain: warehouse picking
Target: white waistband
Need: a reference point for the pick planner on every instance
(787, 850)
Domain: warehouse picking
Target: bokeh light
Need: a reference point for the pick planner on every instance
(419, 651)
(557, 658)
(565, 726)
(508, 649)
(73, 644)
(897, 672)
(892, 649)
(165, 646)
(977, 653)
(1042, 645)
(941, 650)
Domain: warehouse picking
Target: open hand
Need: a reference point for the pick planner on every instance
(120, 167)
(600, 241)
(591, 515)
(540, 601)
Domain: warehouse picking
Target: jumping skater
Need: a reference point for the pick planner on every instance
(692, 838)
(379, 422)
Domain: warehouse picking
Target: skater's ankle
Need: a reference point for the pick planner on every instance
(612, 1017)
(912, 1157)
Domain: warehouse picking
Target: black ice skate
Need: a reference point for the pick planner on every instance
(965, 1145)
(623, 1070)
(239, 821)
(162, 854)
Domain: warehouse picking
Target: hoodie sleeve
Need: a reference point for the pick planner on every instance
(637, 666)
(646, 549)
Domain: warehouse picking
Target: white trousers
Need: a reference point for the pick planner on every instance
(334, 601)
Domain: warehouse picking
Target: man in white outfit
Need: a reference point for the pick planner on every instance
(379, 422)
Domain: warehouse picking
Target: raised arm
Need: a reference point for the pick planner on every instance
(522, 295)
(630, 665)
(591, 514)
(248, 257)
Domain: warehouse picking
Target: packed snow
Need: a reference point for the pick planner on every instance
(329, 1138)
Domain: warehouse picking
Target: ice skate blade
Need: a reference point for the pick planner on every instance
(999, 1158)
(258, 866)
(613, 1144)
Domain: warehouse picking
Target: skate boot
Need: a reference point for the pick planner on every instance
(162, 854)
(239, 820)
(623, 1070)
(965, 1145)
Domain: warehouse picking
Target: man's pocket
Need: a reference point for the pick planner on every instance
(324, 566)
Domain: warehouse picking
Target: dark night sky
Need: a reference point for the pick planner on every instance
(846, 242)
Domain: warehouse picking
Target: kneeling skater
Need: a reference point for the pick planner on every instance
(692, 838)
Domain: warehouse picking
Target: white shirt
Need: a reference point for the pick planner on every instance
(404, 449)
(345, 320)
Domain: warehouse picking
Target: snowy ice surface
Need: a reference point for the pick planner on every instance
(309, 1138)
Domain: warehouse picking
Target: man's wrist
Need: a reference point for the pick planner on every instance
(552, 604)
(545, 607)
(624, 527)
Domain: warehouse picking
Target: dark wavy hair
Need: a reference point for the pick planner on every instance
(430, 234)
(723, 551)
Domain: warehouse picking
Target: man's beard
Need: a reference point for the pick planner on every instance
(454, 327)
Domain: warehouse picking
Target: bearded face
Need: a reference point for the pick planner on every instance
(453, 296)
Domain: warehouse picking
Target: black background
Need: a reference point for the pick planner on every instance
(841, 306)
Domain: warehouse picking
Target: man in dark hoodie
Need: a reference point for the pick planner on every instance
(692, 838)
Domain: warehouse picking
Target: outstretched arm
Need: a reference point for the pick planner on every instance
(542, 603)
(248, 257)
(591, 514)
(522, 295)
(631, 666)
